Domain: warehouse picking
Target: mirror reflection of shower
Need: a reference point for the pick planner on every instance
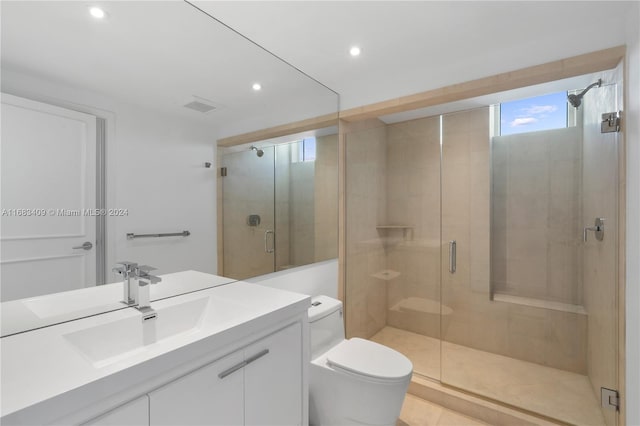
(293, 187)
(576, 100)
(258, 151)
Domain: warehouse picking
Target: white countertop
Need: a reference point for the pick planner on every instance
(35, 312)
(42, 369)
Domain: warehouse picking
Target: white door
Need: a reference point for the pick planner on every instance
(48, 158)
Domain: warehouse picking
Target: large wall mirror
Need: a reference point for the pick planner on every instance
(109, 133)
(279, 203)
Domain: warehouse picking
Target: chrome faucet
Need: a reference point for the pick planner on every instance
(138, 294)
(126, 269)
(143, 278)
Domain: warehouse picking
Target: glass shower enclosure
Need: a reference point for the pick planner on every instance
(280, 206)
(489, 260)
(248, 200)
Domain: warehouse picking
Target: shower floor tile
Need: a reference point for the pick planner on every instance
(548, 391)
(418, 412)
(423, 351)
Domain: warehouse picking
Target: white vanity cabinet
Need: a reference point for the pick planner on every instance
(273, 386)
(260, 384)
(134, 413)
(235, 354)
(201, 397)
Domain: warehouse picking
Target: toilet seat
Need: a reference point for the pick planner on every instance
(369, 359)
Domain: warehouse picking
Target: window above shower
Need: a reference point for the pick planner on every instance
(534, 114)
(304, 150)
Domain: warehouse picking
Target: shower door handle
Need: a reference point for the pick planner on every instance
(267, 248)
(598, 230)
(452, 256)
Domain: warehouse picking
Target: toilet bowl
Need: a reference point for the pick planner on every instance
(354, 381)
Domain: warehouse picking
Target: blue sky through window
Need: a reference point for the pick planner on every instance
(309, 149)
(534, 114)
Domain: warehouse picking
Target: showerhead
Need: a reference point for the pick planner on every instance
(258, 151)
(576, 100)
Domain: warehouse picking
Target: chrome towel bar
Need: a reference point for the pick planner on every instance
(131, 236)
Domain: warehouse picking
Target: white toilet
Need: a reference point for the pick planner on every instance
(355, 381)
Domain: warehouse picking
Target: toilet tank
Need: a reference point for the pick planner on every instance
(326, 325)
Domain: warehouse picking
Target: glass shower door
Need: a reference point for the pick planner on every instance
(393, 238)
(411, 235)
(600, 198)
(529, 303)
(469, 321)
(248, 213)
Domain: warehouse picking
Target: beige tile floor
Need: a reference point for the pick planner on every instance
(558, 394)
(423, 351)
(418, 412)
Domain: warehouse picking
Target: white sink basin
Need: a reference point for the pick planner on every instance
(113, 341)
(78, 301)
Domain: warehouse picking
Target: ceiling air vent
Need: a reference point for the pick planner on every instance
(200, 106)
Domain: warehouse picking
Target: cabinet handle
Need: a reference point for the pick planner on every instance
(243, 364)
(257, 356)
(232, 370)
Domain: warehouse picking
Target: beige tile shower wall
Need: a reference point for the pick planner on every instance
(466, 197)
(247, 189)
(366, 295)
(537, 192)
(465, 218)
(326, 198)
(282, 205)
(302, 213)
(413, 199)
(600, 262)
(547, 337)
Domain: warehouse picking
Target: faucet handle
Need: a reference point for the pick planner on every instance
(142, 272)
(125, 265)
(144, 279)
(122, 270)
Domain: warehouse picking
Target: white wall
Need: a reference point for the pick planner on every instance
(315, 279)
(155, 169)
(159, 175)
(632, 129)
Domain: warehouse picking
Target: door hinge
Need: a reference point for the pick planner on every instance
(223, 171)
(610, 399)
(610, 122)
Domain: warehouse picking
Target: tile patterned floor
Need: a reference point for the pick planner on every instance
(554, 393)
(418, 412)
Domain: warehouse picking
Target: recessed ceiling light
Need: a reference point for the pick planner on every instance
(257, 86)
(97, 13)
(355, 51)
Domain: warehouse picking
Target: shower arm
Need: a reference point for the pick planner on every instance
(589, 87)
